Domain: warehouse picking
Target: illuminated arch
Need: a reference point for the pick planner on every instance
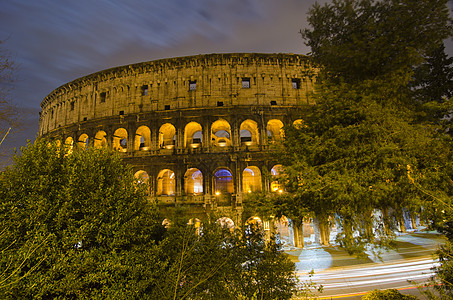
(299, 123)
(225, 222)
(100, 140)
(275, 185)
(249, 132)
(69, 144)
(193, 182)
(223, 181)
(142, 176)
(166, 183)
(253, 225)
(275, 130)
(167, 136)
(221, 133)
(251, 180)
(142, 139)
(120, 140)
(83, 141)
(192, 135)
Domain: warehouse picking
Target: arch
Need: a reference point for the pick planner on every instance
(193, 182)
(251, 179)
(275, 130)
(166, 223)
(223, 182)
(275, 185)
(142, 176)
(100, 140)
(167, 136)
(221, 133)
(142, 139)
(225, 222)
(253, 225)
(120, 140)
(83, 141)
(193, 135)
(166, 183)
(249, 132)
(69, 144)
(299, 123)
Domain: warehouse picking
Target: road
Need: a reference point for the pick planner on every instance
(343, 276)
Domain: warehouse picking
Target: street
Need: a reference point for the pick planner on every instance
(344, 276)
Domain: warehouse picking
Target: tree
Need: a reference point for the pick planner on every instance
(76, 225)
(222, 263)
(356, 40)
(362, 157)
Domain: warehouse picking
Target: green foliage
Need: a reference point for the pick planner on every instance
(367, 146)
(75, 225)
(223, 264)
(391, 294)
(359, 40)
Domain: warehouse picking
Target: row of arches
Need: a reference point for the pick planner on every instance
(220, 135)
(222, 181)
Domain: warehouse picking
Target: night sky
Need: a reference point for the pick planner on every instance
(56, 41)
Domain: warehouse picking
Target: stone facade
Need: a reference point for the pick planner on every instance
(199, 129)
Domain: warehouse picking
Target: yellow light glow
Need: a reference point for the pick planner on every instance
(280, 191)
(217, 193)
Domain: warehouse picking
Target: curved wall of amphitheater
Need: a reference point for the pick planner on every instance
(199, 129)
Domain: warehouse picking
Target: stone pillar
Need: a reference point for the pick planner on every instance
(298, 230)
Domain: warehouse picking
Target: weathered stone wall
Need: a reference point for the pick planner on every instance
(182, 122)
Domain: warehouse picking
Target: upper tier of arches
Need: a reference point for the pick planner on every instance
(185, 83)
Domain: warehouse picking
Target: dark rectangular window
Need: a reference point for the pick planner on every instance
(144, 90)
(121, 112)
(192, 85)
(72, 105)
(103, 95)
(245, 83)
(219, 103)
(273, 102)
(167, 107)
(85, 118)
(296, 83)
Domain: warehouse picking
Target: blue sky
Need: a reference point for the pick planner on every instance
(56, 41)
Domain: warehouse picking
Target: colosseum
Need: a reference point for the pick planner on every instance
(200, 130)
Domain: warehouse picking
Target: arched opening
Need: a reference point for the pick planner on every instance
(167, 136)
(166, 183)
(193, 135)
(249, 133)
(166, 223)
(223, 182)
(221, 133)
(274, 130)
(69, 144)
(142, 178)
(225, 222)
(120, 140)
(253, 225)
(196, 223)
(83, 141)
(100, 139)
(142, 139)
(299, 123)
(275, 185)
(251, 180)
(193, 182)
